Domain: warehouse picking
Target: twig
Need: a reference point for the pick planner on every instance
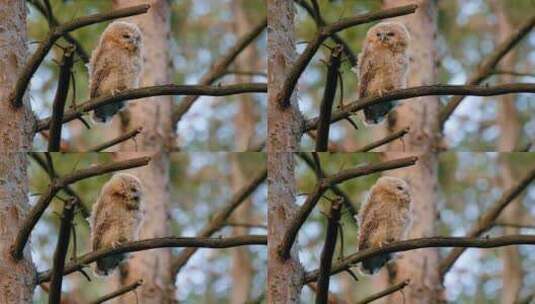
(334, 188)
(41, 162)
(246, 225)
(439, 242)
(321, 22)
(59, 183)
(164, 242)
(53, 22)
(322, 292)
(219, 219)
(169, 89)
(487, 66)
(118, 292)
(15, 97)
(124, 137)
(342, 176)
(386, 292)
(331, 83)
(323, 33)
(407, 93)
(486, 220)
(219, 68)
(54, 294)
(512, 73)
(386, 140)
(60, 99)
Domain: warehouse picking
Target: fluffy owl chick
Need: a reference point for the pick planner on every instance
(383, 218)
(115, 65)
(115, 218)
(382, 66)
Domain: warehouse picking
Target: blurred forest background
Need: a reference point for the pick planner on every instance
(468, 184)
(468, 31)
(201, 31)
(200, 185)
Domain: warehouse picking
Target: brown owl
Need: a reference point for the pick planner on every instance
(115, 218)
(115, 65)
(382, 66)
(383, 218)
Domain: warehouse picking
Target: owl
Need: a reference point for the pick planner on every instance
(383, 218)
(382, 66)
(116, 218)
(115, 65)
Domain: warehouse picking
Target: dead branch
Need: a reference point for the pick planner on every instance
(122, 138)
(390, 290)
(384, 141)
(118, 292)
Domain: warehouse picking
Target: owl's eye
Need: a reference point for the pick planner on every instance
(390, 34)
(126, 36)
(400, 188)
(377, 34)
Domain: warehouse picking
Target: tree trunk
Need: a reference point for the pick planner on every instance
(509, 123)
(284, 277)
(16, 132)
(155, 116)
(244, 124)
(17, 277)
(421, 266)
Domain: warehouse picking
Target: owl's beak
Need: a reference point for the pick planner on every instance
(383, 37)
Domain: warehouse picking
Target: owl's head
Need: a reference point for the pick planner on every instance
(393, 186)
(127, 188)
(124, 35)
(391, 35)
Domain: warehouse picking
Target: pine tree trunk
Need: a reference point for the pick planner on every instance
(17, 277)
(508, 121)
(284, 277)
(155, 116)
(421, 266)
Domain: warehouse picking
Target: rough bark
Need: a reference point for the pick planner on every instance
(509, 123)
(153, 265)
(17, 279)
(284, 276)
(421, 266)
(16, 132)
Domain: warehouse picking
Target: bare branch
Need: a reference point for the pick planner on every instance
(486, 220)
(41, 162)
(440, 242)
(169, 89)
(124, 137)
(164, 242)
(218, 221)
(15, 97)
(219, 68)
(487, 66)
(386, 140)
(118, 292)
(323, 33)
(331, 84)
(313, 198)
(322, 292)
(386, 292)
(334, 188)
(321, 22)
(56, 185)
(53, 22)
(408, 93)
(54, 294)
(60, 99)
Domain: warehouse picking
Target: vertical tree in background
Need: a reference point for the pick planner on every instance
(510, 127)
(244, 125)
(17, 279)
(155, 117)
(421, 266)
(284, 276)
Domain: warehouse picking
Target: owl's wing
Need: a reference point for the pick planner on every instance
(99, 70)
(366, 72)
(102, 225)
(369, 223)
